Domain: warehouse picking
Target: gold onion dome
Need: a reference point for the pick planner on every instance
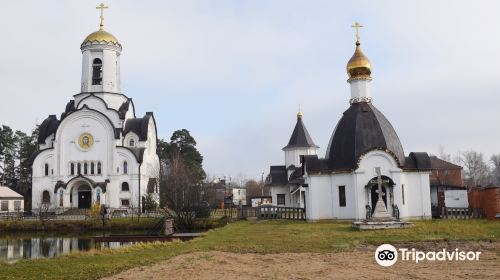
(101, 36)
(359, 66)
(299, 115)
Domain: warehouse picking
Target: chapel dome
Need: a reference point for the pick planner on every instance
(361, 129)
(101, 36)
(359, 65)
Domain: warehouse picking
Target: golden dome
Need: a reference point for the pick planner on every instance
(101, 36)
(359, 67)
(299, 115)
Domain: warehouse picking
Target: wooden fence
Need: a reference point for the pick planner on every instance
(461, 213)
(280, 212)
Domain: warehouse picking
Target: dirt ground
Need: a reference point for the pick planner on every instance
(358, 264)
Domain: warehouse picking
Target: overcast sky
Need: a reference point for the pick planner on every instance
(234, 72)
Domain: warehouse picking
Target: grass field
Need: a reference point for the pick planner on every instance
(247, 237)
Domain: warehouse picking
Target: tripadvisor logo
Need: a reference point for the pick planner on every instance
(387, 255)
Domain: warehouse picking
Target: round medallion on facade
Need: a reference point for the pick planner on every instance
(85, 141)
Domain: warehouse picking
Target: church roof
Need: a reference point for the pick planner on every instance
(48, 127)
(139, 126)
(278, 175)
(361, 129)
(300, 136)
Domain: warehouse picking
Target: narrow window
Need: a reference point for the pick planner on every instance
(125, 167)
(17, 205)
(5, 205)
(45, 197)
(403, 193)
(97, 72)
(72, 169)
(79, 168)
(85, 168)
(46, 169)
(61, 198)
(280, 199)
(92, 171)
(99, 168)
(342, 201)
(125, 187)
(132, 143)
(125, 203)
(98, 196)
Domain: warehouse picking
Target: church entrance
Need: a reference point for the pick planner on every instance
(387, 189)
(84, 197)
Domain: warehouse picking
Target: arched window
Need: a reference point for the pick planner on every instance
(72, 169)
(92, 171)
(125, 187)
(46, 169)
(132, 143)
(99, 168)
(45, 197)
(79, 168)
(85, 168)
(125, 167)
(98, 196)
(61, 193)
(97, 72)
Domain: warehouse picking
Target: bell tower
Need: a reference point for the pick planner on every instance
(101, 60)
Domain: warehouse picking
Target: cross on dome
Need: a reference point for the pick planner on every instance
(101, 7)
(357, 26)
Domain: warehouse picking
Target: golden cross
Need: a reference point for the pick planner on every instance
(357, 26)
(101, 7)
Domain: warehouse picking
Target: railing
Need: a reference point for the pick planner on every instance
(280, 212)
(461, 213)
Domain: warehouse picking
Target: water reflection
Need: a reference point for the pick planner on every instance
(12, 250)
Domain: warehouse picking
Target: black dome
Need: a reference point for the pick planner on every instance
(48, 126)
(361, 129)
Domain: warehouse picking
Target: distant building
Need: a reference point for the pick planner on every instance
(239, 196)
(445, 176)
(10, 201)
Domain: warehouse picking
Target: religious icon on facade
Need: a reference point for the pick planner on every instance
(85, 141)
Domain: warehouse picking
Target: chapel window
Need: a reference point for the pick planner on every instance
(342, 200)
(92, 169)
(79, 168)
(280, 199)
(61, 192)
(125, 203)
(72, 169)
(99, 168)
(125, 167)
(85, 168)
(125, 187)
(403, 193)
(97, 72)
(46, 169)
(132, 143)
(45, 197)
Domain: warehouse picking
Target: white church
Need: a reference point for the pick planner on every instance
(98, 151)
(343, 184)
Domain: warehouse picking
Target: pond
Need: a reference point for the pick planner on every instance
(14, 248)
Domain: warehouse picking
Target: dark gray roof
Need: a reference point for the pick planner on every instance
(300, 137)
(48, 127)
(122, 111)
(278, 175)
(139, 126)
(361, 129)
(437, 163)
(418, 161)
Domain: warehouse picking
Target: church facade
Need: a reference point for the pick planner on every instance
(98, 151)
(364, 147)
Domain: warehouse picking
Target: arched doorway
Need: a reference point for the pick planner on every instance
(387, 190)
(84, 197)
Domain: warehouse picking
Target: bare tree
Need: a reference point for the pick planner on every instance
(476, 170)
(182, 191)
(495, 171)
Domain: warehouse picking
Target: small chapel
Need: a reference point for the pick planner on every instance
(97, 151)
(363, 151)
